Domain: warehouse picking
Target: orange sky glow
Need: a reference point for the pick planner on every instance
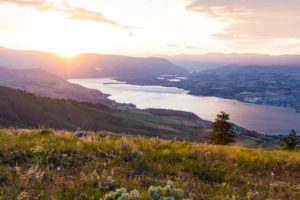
(151, 27)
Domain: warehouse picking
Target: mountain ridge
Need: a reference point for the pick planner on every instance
(46, 84)
(88, 65)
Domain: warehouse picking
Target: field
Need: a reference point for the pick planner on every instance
(51, 164)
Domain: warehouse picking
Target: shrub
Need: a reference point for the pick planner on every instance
(156, 193)
(166, 193)
(46, 132)
(121, 194)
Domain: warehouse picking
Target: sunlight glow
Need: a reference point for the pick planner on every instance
(50, 31)
(67, 53)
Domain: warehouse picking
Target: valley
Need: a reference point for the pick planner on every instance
(271, 120)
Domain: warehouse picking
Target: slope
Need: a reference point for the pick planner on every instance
(22, 109)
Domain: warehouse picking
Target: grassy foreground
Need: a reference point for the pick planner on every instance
(59, 166)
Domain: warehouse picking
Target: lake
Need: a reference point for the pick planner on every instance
(261, 118)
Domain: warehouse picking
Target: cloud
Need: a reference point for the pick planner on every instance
(187, 47)
(24, 2)
(172, 45)
(193, 47)
(252, 23)
(70, 12)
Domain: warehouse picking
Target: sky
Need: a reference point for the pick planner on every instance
(151, 27)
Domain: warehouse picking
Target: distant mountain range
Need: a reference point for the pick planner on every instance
(214, 60)
(89, 65)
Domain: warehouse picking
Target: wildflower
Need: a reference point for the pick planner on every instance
(235, 189)
(110, 155)
(170, 183)
(134, 194)
(272, 174)
(18, 170)
(112, 172)
(65, 155)
(37, 149)
(23, 196)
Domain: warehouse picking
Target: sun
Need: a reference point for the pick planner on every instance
(67, 53)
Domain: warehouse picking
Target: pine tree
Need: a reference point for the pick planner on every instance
(221, 133)
(291, 141)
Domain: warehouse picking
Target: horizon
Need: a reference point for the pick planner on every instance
(154, 56)
(146, 28)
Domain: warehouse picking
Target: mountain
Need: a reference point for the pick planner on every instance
(214, 60)
(43, 83)
(89, 65)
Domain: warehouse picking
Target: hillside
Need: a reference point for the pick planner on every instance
(38, 165)
(25, 110)
(89, 65)
(43, 83)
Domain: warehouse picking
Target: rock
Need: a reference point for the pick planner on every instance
(79, 134)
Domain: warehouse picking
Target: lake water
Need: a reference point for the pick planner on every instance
(261, 118)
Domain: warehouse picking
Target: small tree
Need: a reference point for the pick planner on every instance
(291, 141)
(221, 133)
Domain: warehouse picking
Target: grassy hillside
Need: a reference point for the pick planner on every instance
(43, 83)
(20, 109)
(61, 166)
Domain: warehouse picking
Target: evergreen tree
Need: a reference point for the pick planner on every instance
(291, 141)
(221, 133)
